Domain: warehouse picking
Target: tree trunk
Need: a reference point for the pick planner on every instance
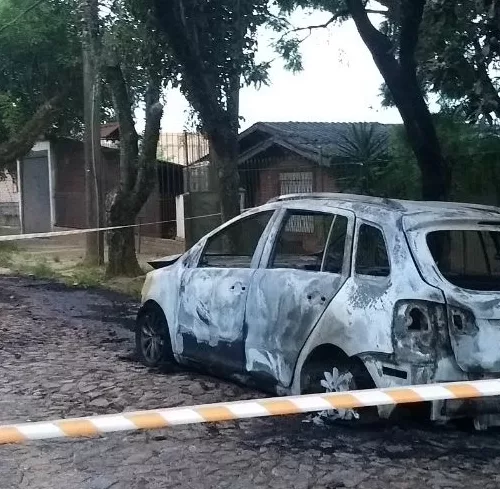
(224, 155)
(94, 254)
(423, 139)
(137, 171)
(401, 79)
(122, 260)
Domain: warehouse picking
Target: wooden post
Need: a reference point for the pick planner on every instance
(92, 140)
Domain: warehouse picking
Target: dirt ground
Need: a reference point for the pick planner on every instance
(69, 250)
(62, 258)
(67, 352)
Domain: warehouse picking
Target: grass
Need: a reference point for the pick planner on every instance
(7, 249)
(85, 276)
(68, 270)
(39, 269)
(8, 246)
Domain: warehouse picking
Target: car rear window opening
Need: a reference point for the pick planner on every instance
(469, 259)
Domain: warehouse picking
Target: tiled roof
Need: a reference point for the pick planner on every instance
(107, 130)
(316, 138)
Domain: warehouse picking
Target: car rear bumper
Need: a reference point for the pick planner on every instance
(484, 411)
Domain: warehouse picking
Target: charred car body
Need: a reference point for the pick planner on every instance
(380, 292)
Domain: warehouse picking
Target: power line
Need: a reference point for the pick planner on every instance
(21, 15)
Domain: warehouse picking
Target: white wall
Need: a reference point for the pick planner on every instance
(179, 210)
(9, 191)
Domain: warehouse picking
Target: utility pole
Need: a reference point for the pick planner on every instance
(92, 140)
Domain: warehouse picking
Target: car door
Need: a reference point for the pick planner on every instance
(305, 264)
(213, 293)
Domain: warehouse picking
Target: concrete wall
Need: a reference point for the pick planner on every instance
(197, 205)
(9, 203)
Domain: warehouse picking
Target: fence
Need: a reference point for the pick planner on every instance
(187, 183)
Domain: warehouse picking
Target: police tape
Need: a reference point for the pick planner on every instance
(55, 234)
(163, 418)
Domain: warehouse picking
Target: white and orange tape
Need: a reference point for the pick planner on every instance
(163, 418)
(55, 234)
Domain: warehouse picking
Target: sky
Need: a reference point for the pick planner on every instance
(339, 83)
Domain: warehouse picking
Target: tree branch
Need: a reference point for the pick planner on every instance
(490, 99)
(380, 45)
(147, 160)
(129, 140)
(21, 15)
(310, 28)
(375, 11)
(21, 143)
(186, 50)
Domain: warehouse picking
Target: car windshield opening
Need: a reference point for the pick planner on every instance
(468, 258)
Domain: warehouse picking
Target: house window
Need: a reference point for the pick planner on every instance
(296, 183)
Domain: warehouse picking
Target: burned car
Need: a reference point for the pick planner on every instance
(336, 292)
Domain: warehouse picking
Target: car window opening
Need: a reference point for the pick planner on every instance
(372, 258)
(235, 245)
(311, 241)
(469, 259)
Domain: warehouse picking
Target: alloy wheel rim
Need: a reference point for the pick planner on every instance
(151, 339)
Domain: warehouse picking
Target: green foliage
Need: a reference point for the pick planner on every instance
(289, 49)
(40, 57)
(362, 156)
(472, 153)
(401, 178)
(88, 277)
(213, 45)
(458, 54)
(288, 45)
(129, 34)
(7, 249)
(41, 269)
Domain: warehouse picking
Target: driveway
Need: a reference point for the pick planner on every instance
(68, 352)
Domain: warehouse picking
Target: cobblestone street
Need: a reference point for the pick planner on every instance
(68, 352)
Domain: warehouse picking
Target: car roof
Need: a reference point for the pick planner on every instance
(416, 212)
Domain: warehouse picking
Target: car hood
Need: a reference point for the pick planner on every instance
(165, 261)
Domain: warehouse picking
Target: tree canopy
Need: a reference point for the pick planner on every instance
(459, 54)
(214, 44)
(40, 73)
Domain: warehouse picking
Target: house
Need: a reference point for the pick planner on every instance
(182, 148)
(52, 188)
(110, 135)
(278, 158)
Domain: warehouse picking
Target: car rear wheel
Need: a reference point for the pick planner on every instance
(341, 376)
(152, 337)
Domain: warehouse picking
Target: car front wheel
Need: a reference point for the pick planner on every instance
(152, 337)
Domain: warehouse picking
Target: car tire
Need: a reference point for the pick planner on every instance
(341, 376)
(152, 337)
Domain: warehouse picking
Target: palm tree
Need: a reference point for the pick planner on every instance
(361, 155)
